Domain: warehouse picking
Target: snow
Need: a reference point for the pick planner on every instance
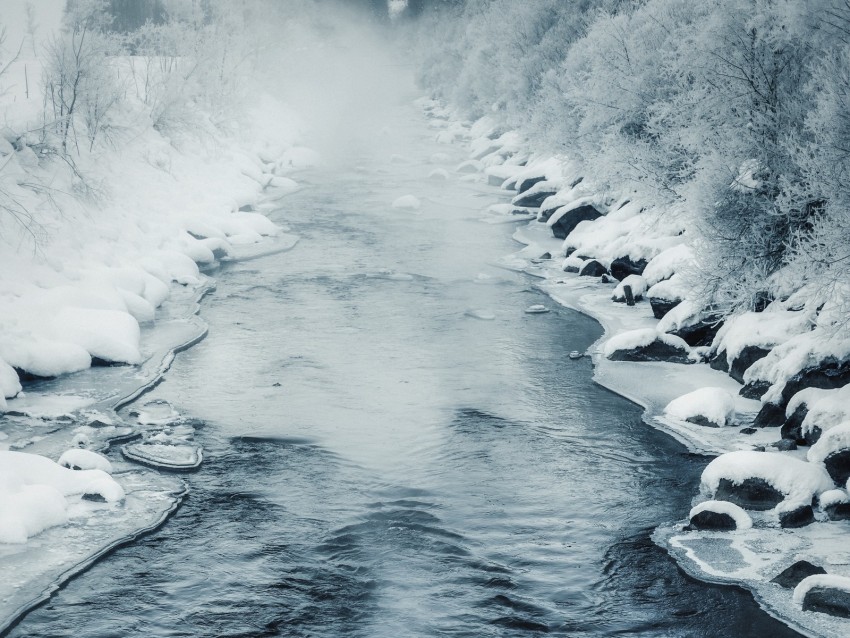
(642, 337)
(763, 329)
(667, 263)
(407, 202)
(715, 404)
(638, 286)
(84, 460)
(833, 497)
(738, 514)
(830, 581)
(833, 440)
(110, 335)
(797, 479)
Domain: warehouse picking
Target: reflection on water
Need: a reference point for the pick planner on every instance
(382, 464)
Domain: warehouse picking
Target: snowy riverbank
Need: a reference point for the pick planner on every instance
(585, 246)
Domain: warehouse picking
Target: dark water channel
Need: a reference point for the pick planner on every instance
(382, 463)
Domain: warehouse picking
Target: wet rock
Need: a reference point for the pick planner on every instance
(568, 221)
(719, 362)
(656, 351)
(792, 429)
(751, 494)
(755, 390)
(605, 279)
(749, 355)
(748, 430)
(703, 421)
(622, 267)
(593, 269)
(838, 466)
(712, 520)
(661, 307)
(798, 517)
(838, 511)
(770, 415)
(246, 208)
(790, 577)
(95, 498)
(828, 600)
(784, 445)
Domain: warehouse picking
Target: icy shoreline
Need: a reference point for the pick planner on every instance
(551, 191)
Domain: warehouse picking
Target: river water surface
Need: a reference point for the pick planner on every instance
(395, 448)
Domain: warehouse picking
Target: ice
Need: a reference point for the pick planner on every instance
(407, 202)
(797, 479)
(536, 309)
(164, 456)
(738, 514)
(715, 404)
(479, 313)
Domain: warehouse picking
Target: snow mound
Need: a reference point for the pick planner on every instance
(713, 404)
(77, 458)
(828, 581)
(833, 440)
(736, 512)
(110, 335)
(407, 202)
(798, 480)
(638, 286)
(639, 338)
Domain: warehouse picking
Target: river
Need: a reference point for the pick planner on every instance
(395, 448)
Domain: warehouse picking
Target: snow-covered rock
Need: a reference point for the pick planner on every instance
(636, 283)
(832, 451)
(80, 459)
(719, 515)
(824, 593)
(713, 407)
(646, 344)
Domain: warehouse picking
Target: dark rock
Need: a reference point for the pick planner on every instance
(712, 520)
(838, 466)
(97, 362)
(755, 390)
(535, 198)
(828, 375)
(792, 429)
(784, 445)
(605, 279)
(570, 269)
(751, 494)
(748, 357)
(655, 351)
(593, 269)
(799, 517)
(828, 600)
(546, 255)
(719, 362)
(790, 577)
(838, 511)
(702, 332)
(25, 377)
(622, 267)
(813, 435)
(95, 498)
(661, 307)
(758, 448)
(770, 415)
(572, 218)
(524, 184)
(246, 208)
(748, 430)
(699, 419)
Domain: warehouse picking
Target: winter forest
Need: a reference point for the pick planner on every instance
(424, 317)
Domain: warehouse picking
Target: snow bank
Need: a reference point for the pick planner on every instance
(798, 480)
(737, 513)
(828, 581)
(714, 404)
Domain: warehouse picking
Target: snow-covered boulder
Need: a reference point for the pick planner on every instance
(812, 411)
(833, 451)
(719, 515)
(470, 167)
(793, 515)
(668, 263)
(712, 407)
(536, 195)
(636, 283)
(763, 480)
(690, 321)
(836, 504)
(80, 459)
(647, 345)
(564, 220)
(824, 593)
(592, 268)
(666, 295)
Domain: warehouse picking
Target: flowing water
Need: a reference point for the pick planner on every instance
(395, 448)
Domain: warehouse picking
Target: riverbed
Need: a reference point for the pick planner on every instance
(395, 447)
